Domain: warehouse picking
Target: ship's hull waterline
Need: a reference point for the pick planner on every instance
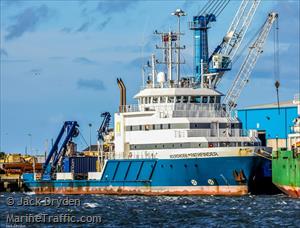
(292, 191)
(231, 176)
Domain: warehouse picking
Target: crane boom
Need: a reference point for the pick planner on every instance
(224, 53)
(245, 71)
(239, 27)
(103, 129)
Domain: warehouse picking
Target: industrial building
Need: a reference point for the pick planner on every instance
(272, 123)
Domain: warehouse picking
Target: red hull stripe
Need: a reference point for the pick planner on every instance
(290, 190)
(203, 190)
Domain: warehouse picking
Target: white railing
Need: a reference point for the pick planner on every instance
(181, 84)
(179, 110)
(217, 133)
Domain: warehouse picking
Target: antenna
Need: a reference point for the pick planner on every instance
(179, 13)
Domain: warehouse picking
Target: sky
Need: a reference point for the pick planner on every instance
(60, 60)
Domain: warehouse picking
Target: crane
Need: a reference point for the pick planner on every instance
(225, 52)
(200, 25)
(244, 73)
(103, 129)
(70, 130)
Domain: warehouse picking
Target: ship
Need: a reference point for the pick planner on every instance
(286, 161)
(179, 139)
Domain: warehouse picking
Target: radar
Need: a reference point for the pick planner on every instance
(161, 77)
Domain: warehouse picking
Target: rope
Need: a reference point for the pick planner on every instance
(83, 139)
(205, 8)
(247, 45)
(223, 7)
(276, 63)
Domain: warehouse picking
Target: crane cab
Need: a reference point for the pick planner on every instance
(221, 62)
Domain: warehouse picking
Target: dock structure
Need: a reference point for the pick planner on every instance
(11, 183)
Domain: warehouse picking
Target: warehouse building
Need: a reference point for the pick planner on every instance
(272, 123)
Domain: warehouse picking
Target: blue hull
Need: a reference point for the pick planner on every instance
(216, 176)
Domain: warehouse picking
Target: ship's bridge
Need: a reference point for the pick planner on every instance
(179, 102)
(178, 95)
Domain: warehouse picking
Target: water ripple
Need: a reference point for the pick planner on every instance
(168, 211)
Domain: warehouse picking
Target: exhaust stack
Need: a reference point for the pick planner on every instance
(122, 88)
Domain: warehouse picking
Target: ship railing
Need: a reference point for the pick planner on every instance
(214, 133)
(205, 109)
(175, 84)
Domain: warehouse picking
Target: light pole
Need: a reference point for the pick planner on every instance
(179, 13)
(30, 142)
(90, 126)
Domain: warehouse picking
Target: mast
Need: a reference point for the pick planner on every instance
(179, 13)
(168, 39)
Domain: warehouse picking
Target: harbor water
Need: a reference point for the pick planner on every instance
(168, 211)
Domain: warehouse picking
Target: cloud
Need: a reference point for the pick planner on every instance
(84, 27)
(66, 30)
(27, 21)
(104, 23)
(187, 4)
(114, 6)
(15, 60)
(57, 57)
(137, 63)
(11, 2)
(3, 52)
(93, 84)
(84, 60)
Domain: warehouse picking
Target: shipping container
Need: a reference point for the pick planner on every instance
(64, 176)
(82, 164)
(66, 165)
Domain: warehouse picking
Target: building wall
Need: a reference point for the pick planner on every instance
(276, 124)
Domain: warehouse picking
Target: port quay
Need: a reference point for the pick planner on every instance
(129, 113)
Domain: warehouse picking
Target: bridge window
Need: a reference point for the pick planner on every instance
(196, 99)
(162, 99)
(178, 99)
(218, 99)
(155, 100)
(211, 99)
(184, 99)
(170, 99)
(204, 99)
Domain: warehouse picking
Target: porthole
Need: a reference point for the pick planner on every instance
(210, 181)
(194, 182)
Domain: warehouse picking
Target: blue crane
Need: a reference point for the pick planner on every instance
(200, 25)
(70, 130)
(103, 129)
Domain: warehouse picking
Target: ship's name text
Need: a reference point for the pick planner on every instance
(195, 155)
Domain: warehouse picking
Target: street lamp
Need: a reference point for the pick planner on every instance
(90, 126)
(30, 142)
(179, 13)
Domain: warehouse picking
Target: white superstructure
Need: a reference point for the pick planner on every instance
(178, 118)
